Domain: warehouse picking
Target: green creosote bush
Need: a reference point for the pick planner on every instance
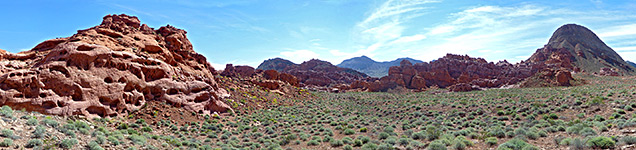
(39, 132)
(436, 145)
(349, 132)
(6, 142)
(601, 142)
(336, 143)
(629, 140)
(33, 143)
(32, 121)
(6, 111)
(369, 146)
(491, 141)
(514, 144)
(93, 145)
(313, 143)
(68, 143)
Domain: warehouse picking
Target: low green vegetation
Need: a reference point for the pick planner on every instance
(583, 117)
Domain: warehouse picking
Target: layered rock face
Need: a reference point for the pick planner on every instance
(315, 72)
(109, 70)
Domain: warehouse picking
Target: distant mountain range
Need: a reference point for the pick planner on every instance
(371, 67)
(631, 63)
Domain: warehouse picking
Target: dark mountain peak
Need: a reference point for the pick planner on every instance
(570, 35)
(578, 48)
(371, 67)
(277, 64)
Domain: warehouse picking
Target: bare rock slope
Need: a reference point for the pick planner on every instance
(110, 69)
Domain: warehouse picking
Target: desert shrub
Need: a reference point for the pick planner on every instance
(404, 141)
(7, 133)
(383, 135)
(364, 129)
(49, 122)
(497, 132)
(601, 142)
(349, 131)
(32, 121)
(419, 135)
(94, 146)
(347, 147)
(514, 144)
(577, 144)
(33, 143)
(68, 143)
(385, 146)
(336, 143)
(347, 140)
(459, 145)
(436, 145)
(369, 146)
(629, 140)
(6, 111)
(532, 135)
(357, 142)
(491, 141)
(587, 131)
(313, 143)
(137, 139)
(6, 142)
(39, 132)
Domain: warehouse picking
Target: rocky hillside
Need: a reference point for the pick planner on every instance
(577, 48)
(371, 67)
(314, 72)
(109, 70)
(277, 64)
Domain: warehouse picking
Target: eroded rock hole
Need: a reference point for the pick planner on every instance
(60, 69)
(48, 105)
(84, 48)
(122, 80)
(173, 91)
(42, 95)
(96, 110)
(108, 80)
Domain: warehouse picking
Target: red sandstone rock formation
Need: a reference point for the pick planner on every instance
(109, 70)
(450, 70)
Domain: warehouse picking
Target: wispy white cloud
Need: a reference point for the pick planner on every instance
(299, 56)
(618, 31)
(385, 27)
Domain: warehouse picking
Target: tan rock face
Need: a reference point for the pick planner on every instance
(109, 70)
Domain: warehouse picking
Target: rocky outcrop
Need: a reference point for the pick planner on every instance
(608, 72)
(109, 70)
(450, 70)
(238, 71)
(315, 73)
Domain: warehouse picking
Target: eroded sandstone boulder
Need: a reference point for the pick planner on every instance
(110, 70)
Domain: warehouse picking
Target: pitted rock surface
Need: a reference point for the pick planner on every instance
(110, 70)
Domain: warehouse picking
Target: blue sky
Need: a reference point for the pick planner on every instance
(246, 32)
